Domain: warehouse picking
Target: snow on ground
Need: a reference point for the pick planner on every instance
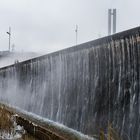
(51, 123)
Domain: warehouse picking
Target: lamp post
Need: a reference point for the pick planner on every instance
(9, 33)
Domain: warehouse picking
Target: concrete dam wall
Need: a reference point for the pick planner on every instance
(84, 87)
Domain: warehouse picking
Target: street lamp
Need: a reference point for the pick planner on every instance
(9, 33)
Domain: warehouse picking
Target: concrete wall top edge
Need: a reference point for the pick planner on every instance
(86, 45)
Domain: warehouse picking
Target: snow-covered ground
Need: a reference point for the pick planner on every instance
(62, 128)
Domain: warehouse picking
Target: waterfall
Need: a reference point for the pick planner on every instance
(83, 87)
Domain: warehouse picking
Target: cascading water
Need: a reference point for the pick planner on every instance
(83, 87)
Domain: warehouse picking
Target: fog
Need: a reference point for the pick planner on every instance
(16, 57)
(49, 25)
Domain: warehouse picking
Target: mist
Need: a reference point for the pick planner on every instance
(11, 58)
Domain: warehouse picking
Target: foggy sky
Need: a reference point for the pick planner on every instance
(49, 25)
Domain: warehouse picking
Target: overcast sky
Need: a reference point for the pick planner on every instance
(49, 25)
